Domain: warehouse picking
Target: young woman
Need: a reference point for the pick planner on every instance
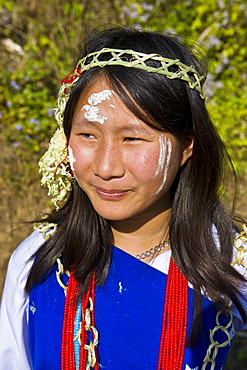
(142, 267)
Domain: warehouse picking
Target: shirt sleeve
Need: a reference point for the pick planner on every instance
(14, 351)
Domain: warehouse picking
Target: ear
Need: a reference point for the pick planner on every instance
(187, 143)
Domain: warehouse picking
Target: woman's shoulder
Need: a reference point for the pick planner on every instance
(14, 305)
(26, 249)
(21, 262)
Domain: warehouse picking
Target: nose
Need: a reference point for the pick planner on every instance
(108, 161)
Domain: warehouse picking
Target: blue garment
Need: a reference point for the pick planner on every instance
(128, 317)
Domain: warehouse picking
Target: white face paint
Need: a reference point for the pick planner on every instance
(164, 159)
(92, 109)
(72, 159)
(168, 159)
(162, 156)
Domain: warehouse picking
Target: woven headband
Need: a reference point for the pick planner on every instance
(54, 165)
(138, 60)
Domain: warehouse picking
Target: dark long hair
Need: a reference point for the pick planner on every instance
(84, 238)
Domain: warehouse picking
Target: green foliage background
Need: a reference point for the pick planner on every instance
(39, 43)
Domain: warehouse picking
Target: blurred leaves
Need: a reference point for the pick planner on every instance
(40, 42)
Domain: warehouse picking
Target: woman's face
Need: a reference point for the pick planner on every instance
(124, 166)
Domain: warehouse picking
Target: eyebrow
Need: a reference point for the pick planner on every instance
(132, 129)
(84, 121)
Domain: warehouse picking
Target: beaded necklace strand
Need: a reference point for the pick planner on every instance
(175, 320)
(173, 333)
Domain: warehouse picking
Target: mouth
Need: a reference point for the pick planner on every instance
(112, 194)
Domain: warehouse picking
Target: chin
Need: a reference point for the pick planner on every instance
(114, 216)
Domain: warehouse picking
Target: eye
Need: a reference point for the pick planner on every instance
(87, 136)
(132, 139)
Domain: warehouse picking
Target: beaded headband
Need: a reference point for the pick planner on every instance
(54, 165)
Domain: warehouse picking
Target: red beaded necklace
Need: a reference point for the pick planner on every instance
(174, 325)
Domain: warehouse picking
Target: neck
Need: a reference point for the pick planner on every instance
(136, 236)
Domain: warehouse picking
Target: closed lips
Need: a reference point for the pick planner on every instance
(111, 191)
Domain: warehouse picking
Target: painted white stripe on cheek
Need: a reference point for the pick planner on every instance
(168, 160)
(161, 162)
